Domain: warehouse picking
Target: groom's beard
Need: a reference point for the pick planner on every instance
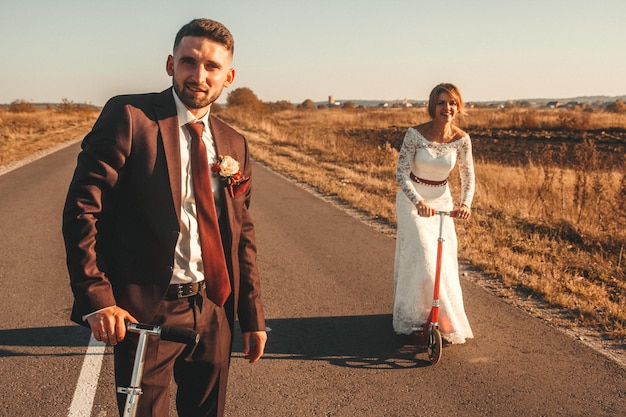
(192, 100)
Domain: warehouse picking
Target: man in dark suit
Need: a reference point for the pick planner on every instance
(157, 229)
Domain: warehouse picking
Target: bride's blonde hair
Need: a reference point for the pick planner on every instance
(451, 89)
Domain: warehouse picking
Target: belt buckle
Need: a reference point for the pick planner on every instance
(188, 290)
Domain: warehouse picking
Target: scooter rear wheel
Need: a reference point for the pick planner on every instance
(434, 346)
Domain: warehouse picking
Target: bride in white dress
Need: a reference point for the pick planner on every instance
(428, 155)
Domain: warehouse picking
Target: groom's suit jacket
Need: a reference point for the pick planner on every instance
(121, 216)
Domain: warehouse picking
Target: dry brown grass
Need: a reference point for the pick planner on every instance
(532, 232)
(556, 234)
(23, 134)
(540, 118)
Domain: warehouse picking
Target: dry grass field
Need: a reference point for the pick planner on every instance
(549, 212)
(549, 218)
(25, 133)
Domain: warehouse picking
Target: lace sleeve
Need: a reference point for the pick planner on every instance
(466, 169)
(407, 154)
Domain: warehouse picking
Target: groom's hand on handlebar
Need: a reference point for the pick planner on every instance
(109, 324)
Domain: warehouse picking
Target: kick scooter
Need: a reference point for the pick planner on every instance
(431, 328)
(172, 334)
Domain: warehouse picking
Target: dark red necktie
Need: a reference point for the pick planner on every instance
(215, 271)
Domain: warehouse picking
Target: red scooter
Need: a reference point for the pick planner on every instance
(430, 330)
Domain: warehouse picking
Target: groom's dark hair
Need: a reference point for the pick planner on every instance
(207, 28)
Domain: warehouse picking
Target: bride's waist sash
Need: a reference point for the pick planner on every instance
(427, 182)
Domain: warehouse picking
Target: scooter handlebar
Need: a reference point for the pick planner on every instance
(169, 333)
(180, 335)
(453, 213)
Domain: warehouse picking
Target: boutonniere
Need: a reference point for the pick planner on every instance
(228, 169)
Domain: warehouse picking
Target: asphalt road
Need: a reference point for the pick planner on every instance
(327, 280)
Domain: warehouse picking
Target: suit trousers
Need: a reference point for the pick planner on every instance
(200, 372)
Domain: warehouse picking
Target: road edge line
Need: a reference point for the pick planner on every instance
(82, 402)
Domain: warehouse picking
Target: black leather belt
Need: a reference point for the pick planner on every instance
(176, 291)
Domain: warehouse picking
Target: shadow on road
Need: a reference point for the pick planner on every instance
(348, 341)
(37, 337)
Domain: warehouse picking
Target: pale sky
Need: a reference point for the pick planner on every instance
(87, 51)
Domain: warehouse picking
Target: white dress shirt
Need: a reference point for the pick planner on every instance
(188, 265)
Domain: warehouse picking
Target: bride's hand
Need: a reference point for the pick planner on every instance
(463, 213)
(424, 209)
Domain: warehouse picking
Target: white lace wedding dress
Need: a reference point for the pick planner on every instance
(416, 244)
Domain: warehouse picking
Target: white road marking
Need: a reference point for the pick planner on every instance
(82, 403)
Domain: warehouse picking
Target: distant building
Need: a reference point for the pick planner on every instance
(404, 103)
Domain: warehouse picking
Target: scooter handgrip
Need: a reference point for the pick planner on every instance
(180, 335)
(454, 213)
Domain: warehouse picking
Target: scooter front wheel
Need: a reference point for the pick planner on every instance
(434, 346)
